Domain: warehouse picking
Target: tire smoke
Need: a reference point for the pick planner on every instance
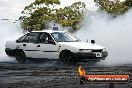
(8, 31)
(113, 33)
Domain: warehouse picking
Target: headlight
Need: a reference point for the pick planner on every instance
(104, 50)
(85, 51)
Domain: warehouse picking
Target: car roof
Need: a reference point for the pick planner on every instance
(49, 31)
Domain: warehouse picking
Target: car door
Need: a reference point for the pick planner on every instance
(19, 42)
(30, 45)
(47, 48)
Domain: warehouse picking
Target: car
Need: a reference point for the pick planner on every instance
(54, 45)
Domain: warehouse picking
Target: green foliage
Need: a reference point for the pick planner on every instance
(128, 3)
(40, 13)
(113, 7)
(70, 15)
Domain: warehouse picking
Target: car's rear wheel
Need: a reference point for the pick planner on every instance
(20, 56)
(66, 57)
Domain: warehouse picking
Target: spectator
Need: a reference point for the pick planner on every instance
(55, 28)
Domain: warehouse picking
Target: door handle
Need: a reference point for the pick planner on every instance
(38, 45)
(24, 44)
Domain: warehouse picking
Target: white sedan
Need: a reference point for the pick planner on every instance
(51, 44)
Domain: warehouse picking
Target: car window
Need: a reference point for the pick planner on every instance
(21, 39)
(63, 37)
(45, 37)
(32, 38)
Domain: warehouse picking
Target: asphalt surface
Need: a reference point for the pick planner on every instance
(53, 74)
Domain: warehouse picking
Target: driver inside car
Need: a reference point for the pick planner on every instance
(44, 38)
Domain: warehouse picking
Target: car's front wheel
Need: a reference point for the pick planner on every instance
(66, 57)
(20, 56)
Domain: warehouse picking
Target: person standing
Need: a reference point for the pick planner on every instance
(55, 28)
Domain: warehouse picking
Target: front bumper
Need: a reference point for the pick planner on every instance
(90, 56)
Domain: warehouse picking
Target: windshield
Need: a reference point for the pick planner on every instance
(63, 37)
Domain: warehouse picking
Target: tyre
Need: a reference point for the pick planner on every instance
(66, 57)
(20, 57)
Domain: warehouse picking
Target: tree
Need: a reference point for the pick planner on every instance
(128, 3)
(40, 13)
(70, 16)
(115, 7)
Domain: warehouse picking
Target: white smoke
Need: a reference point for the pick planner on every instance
(8, 31)
(113, 33)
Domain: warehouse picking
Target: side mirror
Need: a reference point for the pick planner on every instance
(92, 41)
(51, 42)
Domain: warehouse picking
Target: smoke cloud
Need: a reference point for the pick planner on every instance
(9, 31)
(113, 33)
